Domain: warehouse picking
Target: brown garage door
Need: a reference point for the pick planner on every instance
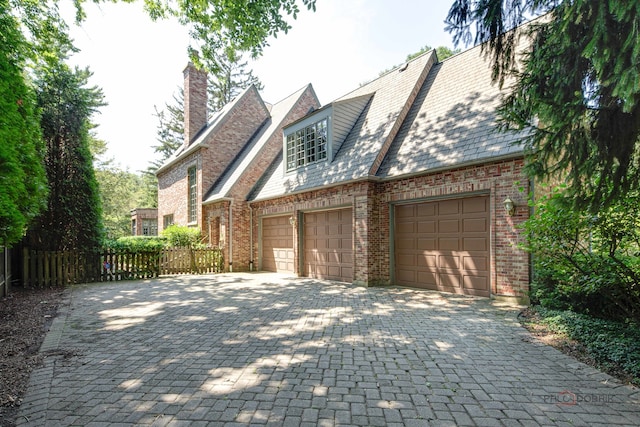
(328, 245)
(277, 244)
(444, 245)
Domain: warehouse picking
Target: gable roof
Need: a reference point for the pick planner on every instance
(213, 124)
(245, 159)
(387, 100)
(452, 122)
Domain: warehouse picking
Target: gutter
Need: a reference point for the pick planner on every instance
(231, 236)
(373, 178)
(250, 237)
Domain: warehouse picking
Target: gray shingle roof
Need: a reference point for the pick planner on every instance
(363, 144)
(452, 122)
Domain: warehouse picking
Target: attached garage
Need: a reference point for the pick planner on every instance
(328, 245)
(277, 244)
(444, 245)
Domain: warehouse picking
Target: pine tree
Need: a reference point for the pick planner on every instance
(577, 87)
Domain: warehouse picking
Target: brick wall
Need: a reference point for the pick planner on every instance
(232, 134)
(195, 101)
(140, 214)
(372, 203)
(173, 191)
(509, 264)
(236, 246)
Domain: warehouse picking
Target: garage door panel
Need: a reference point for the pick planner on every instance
(423, 210)
(427, 244)
(426, 227)
(448, 226)
(476, 282)
(406, 227)
(277, 244)
(475, 244)
(406, 244)
(427, 260)
(406, 259)
(448, 207)
(475, 225)
(475, 205)
(476, 263)
(449, 262)
(328, 245)
(444, 245)
(448, 244)
(428, 279)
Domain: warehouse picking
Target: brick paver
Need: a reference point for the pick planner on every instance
(267, 350)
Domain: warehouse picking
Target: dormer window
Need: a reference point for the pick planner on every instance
(307, 145)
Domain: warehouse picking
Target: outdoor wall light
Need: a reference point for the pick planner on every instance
(292, 220)
(509, 206)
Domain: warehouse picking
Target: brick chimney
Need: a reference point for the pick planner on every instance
(195, 102)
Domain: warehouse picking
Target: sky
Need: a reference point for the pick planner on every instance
(138, 63)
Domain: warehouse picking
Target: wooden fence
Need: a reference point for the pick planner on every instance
(46, 268)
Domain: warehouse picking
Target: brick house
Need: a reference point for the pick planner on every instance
(206, 182)
(401, 181)
(144, 222)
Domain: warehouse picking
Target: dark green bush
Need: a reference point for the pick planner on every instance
(586, 263)
(137, 244)
(614, 345)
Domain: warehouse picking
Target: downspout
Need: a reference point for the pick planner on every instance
(250, 237)
(231, 236)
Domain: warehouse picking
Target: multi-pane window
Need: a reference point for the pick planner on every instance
(150, 227)
(307, 145)
(192, 205)
(167, 220)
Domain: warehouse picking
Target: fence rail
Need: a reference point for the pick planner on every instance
(59, 268)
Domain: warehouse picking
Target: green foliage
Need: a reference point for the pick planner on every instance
(614, 345)
(120, 192)
(443, 52)
(586, 263)
(23, 188)
(182, 236)
(577, 88)
(137, 244)
(229, 78)
(72, 219)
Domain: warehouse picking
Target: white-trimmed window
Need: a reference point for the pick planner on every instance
(192, 205)
(307, 145)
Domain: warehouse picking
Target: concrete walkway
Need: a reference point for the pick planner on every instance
(263, 349)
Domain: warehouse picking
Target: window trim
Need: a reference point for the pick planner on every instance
(307, 144)
(192, 195)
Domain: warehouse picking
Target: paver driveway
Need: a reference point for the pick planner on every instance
(240, 349)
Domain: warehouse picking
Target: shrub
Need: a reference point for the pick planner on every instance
(614, 345)
(137, 244)
(585, 263)
(180, 235)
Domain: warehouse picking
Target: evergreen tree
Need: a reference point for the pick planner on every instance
(228, 78)
(22, 179)
(72, 219)
(577, 87)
